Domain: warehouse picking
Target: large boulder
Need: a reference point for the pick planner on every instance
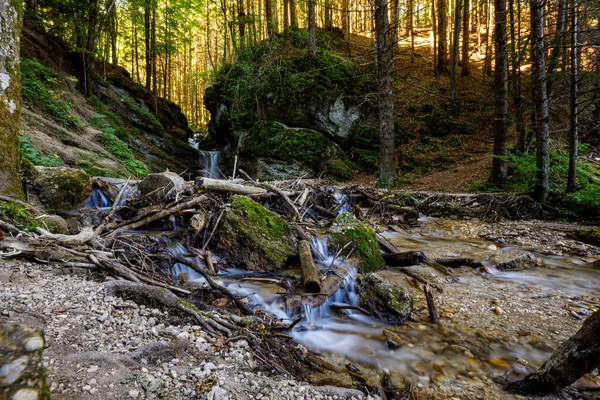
(252, 237)
(22, 374)
(347, 228)
(61, 188)
(385, 300)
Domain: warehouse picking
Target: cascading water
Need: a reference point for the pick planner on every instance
(210, 164)
(97, 199)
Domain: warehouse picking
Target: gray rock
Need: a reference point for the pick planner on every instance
(513, 260)
(161, 185)
(386, 300)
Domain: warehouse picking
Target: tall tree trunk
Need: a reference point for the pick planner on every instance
(487, 63)
(11, 13)
(114, 33)
(242, 24)
(293, 17)
(395, 25)
(572, 177)
(558, 45)
(328, 15)
(286, 14)
(410, 28)
(434, 36)
(312, 29)
(574, 358)
(499, 165)
(465, 70)
(455, 47)
(269, 17)
(148, 5)
(385, 70)
(442, 28)
(540, 99)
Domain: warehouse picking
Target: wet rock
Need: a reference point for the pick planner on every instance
(385, 300)
(161, 185)
(21, 371)
(590, 236)
(347, 228)
(513, 260)
(252, 237)
(61, 188)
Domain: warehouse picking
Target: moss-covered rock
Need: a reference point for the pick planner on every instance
(338, 168)
(252, 237)
(384, 299)
(62, 188)
(590, 236)
(54, 224)
(347, 228)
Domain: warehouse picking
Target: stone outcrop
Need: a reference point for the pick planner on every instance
(385, 300)
(61, 188)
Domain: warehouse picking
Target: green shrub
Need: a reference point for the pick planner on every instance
(37, 157)
(19, 215)
(39, 86)
(338, 168)
(147, 115)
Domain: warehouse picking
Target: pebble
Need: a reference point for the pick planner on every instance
(498, 310)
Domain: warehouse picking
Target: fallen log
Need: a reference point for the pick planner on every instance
(226, 186)
(433, 315)
(579, 355)
(385, 244)
(457, 262)
(323, 211)
(405, 259)
(310, 278)
(86, 235)
(160, 215)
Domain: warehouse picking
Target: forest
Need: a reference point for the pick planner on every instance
(299, 199)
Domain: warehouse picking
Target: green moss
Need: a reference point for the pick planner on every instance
(270, 139)
(63, 188)
(590, 236)
(338, 168)
(385, 299)
(254, 237)
(21, 216)
(39, 87)
(142, 112)
(347, 228)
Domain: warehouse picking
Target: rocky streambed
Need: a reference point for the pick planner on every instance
(501, 313)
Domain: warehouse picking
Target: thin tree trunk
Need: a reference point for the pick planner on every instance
(242, 24)
(455, 46)
(540, 99)
(465, 70)
(434, 36)
(410, 28)
(269, 18)
(385, 70)
(293, 18)
(572, 177)
(442, 52)
(499, 165)
(10, 98)
(147, 36)
(558, 45)
(487, 64)
(312, 29)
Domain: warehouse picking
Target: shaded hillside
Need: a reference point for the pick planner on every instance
(120, 130)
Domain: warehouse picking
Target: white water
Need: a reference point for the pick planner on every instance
(210, 164)
(97, 199)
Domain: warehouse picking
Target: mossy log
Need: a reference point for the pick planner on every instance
(405, 259)
(574, 358)
(310, 278)
(226, 186)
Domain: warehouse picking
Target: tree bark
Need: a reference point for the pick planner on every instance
(465, 67)
(574, 358)
(310, 277)
(442, 28)
(293, 18)
(312, 29)
(455, 46)
(11, 13)
(499, 165)
(385, 71)
(572, 176)
(541, 100)
(148, 49)
(558, 45)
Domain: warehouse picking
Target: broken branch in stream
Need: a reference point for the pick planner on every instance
(223, 290)
(433, 315)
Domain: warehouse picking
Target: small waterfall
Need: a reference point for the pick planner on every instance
(340, 198)
(319, 247)
(210, 164)
(97, 200)
(178, 249)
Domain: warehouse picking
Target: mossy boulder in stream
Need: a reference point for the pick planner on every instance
(62, 188)
(347, 228)
(252, 237)
(590, 236)
(386, 300)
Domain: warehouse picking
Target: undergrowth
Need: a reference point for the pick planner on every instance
(39, 87)
(42, 157)
(118, 147)
(19, 215)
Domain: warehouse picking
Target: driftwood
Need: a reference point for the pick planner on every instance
(457, 262)
(577, 356)
(405, 259)
(85, 236)
(226, 186)
(433, 315)
(309, 270)
(323, 211)
(160, 215)
(224, 291)
(340, 307)
(9, 227)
